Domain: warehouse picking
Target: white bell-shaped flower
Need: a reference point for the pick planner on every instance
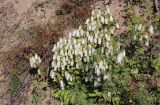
(108, 10)
(80, 27)
(38, 59)
(77, 33)
(74, 33)
(124, 53)
(136, 27)
(147, 40)
(72, 62)
(62, 85)
(58, 58)
(70, 47)
(54, 48)
(109, 94)
(85, 53)
(83, 41)
(76, 51)
(117, 25)
(121, 56)
(58, 45)
(96, 34)
(86, 79)
(101, 64)
(98, 71)
(102, 19)
(89, 28)
(81, 53)
(62, 67)
(61, 41)
(99, 40)
(106, 20)
(87, 21)
(139, 28)
(135, 37)
(32, 62)
(91, 39)
(107, 37)
(95, 40)
(67, 76)
(77, 66)
(112, 31)
(92, 18)
(147, 43)
(81, 32)
(98, 15)
(52, 74)
(84, 59)
(111, 18)
(151, 30)
(93, 13)
(53, 63)
(61, 52)
(58, 64)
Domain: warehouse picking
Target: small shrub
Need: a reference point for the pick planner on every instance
(36, 94)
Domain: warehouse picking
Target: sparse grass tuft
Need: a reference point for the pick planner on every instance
(15, 82)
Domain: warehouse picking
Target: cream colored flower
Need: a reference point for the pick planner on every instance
(117, 25)
(121, 56)
(35, 61)
(87, 21)
(108, 10)
(151, 30)
(111, 18)
(52, 74)
(62, 85)
(106, 20)
(109, 94)
(139, 28)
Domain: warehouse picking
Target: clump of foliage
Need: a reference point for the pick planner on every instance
(36, 94)
(15, 82)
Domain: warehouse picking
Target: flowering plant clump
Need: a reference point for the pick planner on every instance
(142, 34)
(85, 53)
(35, 62)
